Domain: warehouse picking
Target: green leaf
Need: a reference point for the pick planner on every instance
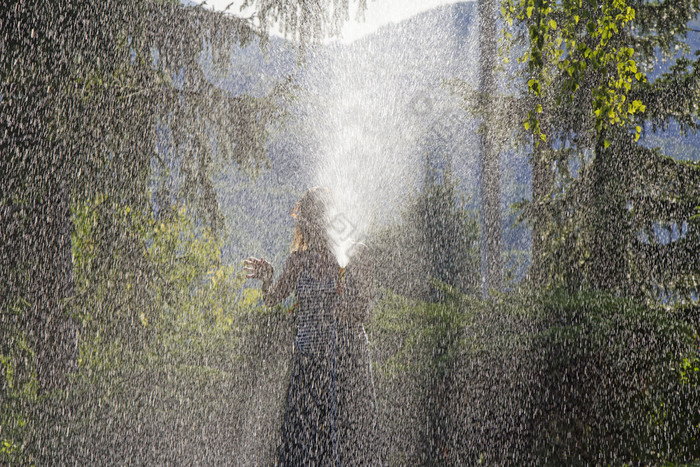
(591, 27)
(534, 86)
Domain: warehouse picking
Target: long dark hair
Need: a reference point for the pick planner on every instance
(312, 215)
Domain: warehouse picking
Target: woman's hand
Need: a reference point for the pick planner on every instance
(258, 269)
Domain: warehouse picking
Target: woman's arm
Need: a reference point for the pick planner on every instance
(274, 292)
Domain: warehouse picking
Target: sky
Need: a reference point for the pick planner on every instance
(378, 13)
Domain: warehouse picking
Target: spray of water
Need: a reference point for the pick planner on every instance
(370, 107)
(365, 146)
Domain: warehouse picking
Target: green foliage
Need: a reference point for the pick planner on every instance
(151, 296)
(19, 385)
(305, 22)
(179, 332)
(436, 242)
(616, 358)
(661, 28)
(200, 360)
(187, 280)
(598, 194)
(580, 38)
(671, 98)
(414, 349)
(547, 379)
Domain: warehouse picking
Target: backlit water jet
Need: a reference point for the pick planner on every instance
(370, 108)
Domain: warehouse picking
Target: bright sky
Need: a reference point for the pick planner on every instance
(378, 13)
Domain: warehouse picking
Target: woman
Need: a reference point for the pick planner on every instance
(331, 416)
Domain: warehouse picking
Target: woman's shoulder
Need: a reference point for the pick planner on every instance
(308, 260)
(361, 254)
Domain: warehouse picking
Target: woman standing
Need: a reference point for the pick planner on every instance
(331, 415)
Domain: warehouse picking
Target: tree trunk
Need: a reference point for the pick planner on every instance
(542, 180)
(492, 263)
(608, 217)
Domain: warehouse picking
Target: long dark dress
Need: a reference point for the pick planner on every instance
(331, 415)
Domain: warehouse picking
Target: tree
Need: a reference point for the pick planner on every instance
(490, 188)
(584, 74)
(305, 22)
(434, 249)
